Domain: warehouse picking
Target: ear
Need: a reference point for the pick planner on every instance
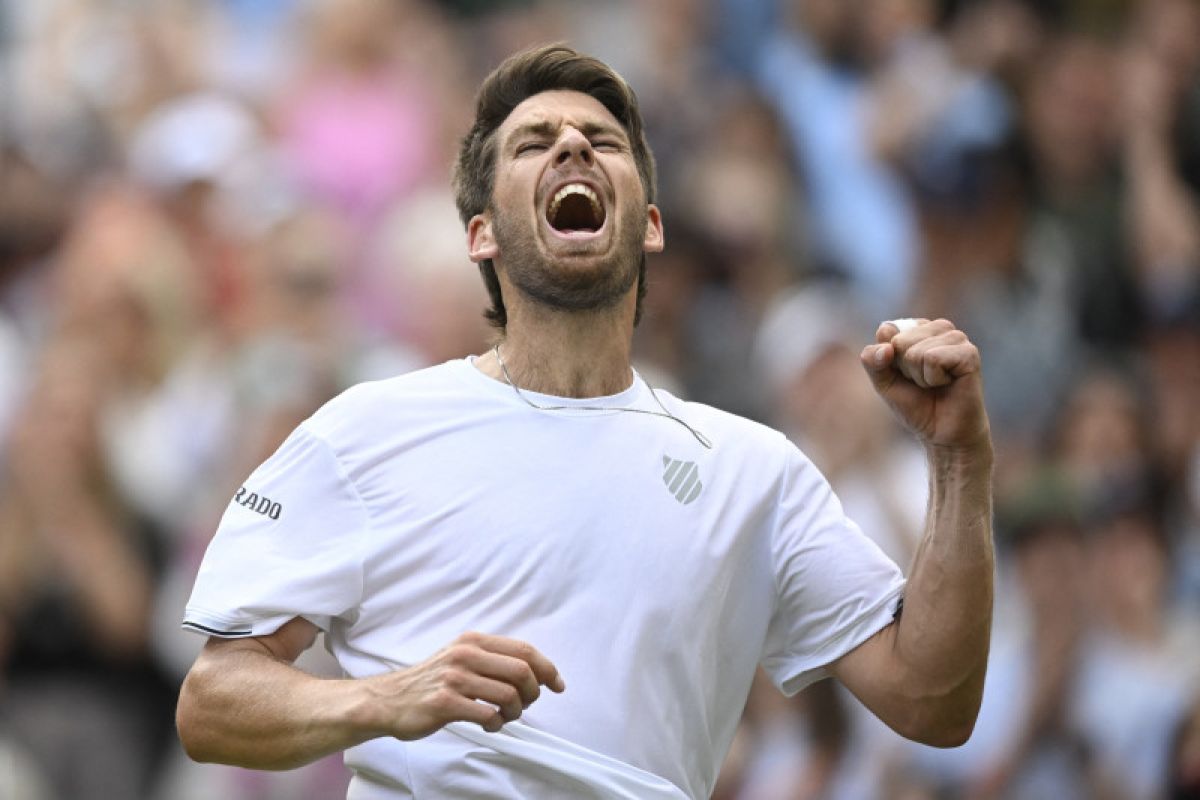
(481, 244)
(655, 241)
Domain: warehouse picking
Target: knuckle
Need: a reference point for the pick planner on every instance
(442, 699)
(460, 654)
(526, 675)
(454, 679)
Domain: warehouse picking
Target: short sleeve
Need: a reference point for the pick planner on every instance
(835, 587)
(288, 545)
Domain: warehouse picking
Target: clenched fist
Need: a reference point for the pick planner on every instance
(929, 373)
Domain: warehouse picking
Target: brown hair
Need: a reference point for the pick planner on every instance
(520, 77)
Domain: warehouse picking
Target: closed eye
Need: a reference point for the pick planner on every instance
(531, 147)
(608, 146)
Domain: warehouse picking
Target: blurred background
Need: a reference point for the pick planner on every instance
(216, 215)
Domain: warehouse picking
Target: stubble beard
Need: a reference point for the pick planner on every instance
(567, 288)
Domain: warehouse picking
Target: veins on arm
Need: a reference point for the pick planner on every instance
(923, 674)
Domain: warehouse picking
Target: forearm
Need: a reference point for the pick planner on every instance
(250, 709)
(243, 703)
(943, 634)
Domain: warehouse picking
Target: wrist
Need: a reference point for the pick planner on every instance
(974, 454)
(360, 712)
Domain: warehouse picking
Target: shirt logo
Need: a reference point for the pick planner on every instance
(258, 503)
(682, 479)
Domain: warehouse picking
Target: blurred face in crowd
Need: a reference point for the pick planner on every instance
(837, 411)
(740, 188)
(1102, 428)
(357, 33)
(1050, 563)
(1129, 575)
(1071, 112)
(887, 22)
(569, 222)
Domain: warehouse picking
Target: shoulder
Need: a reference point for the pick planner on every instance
(369, 408)
(731, 432)
(757, 453)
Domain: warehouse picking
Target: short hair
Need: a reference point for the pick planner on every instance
(519, 77)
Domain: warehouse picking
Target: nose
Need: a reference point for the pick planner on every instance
(573, 146)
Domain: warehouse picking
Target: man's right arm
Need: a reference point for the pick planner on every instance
(244, 703)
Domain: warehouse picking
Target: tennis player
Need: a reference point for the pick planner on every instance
(538, 517)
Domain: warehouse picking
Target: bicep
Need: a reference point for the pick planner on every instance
(899, 694)
(870, 670)
(875, 674)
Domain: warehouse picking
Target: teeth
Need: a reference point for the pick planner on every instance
(576, 188)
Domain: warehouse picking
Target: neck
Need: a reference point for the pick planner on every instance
(566, 354)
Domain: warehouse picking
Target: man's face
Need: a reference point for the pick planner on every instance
(569, 220)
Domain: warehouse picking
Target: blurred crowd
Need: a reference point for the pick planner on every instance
(216, 215)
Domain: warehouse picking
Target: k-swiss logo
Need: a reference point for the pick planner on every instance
(682, 479)
(258, 503)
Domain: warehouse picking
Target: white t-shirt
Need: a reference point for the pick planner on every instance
(655, 573)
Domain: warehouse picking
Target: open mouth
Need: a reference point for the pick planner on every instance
(575, 208)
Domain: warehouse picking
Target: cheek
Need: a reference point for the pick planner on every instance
(514, 181)
(636, 188)
(621, 173)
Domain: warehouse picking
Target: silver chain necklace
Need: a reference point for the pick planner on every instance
(700, 437)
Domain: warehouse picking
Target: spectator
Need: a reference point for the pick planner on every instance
(816, 72)
(1141, 664)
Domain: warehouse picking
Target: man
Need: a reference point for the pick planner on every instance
(540, 517)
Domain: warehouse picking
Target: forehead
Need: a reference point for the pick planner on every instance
(559, 108)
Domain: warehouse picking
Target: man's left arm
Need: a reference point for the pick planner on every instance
(923, 675)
